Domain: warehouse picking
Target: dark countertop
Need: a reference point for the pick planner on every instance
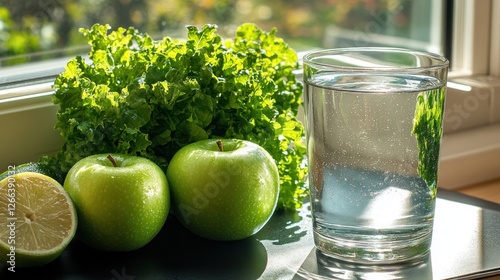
(466, 245)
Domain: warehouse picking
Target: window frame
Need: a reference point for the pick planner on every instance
(471, 37)
(495, 39)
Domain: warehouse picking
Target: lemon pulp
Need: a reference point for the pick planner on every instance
(37, 219)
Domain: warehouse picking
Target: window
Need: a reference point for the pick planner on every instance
(32, 32)
(39, 30)
(38, 37)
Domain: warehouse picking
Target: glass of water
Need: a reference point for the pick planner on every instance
(374, 119)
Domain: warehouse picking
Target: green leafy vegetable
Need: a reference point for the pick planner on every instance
(150, 97)
(428, 129)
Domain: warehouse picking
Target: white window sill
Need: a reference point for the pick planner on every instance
(470, 150)
(469, 157)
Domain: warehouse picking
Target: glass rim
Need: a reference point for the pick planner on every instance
(308, 59)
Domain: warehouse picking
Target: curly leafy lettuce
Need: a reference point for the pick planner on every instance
(148, 97)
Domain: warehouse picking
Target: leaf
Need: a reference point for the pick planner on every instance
(151, 97)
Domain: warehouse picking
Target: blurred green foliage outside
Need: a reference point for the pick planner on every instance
(33, 30)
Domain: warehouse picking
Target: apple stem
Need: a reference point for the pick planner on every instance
(219, 144)
(113, 161)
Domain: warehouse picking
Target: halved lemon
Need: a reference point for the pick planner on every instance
(37, 220)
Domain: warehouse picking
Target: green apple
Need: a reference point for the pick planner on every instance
(223, 189)
(122, 201)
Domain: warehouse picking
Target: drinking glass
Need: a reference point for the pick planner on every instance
(374, 119)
